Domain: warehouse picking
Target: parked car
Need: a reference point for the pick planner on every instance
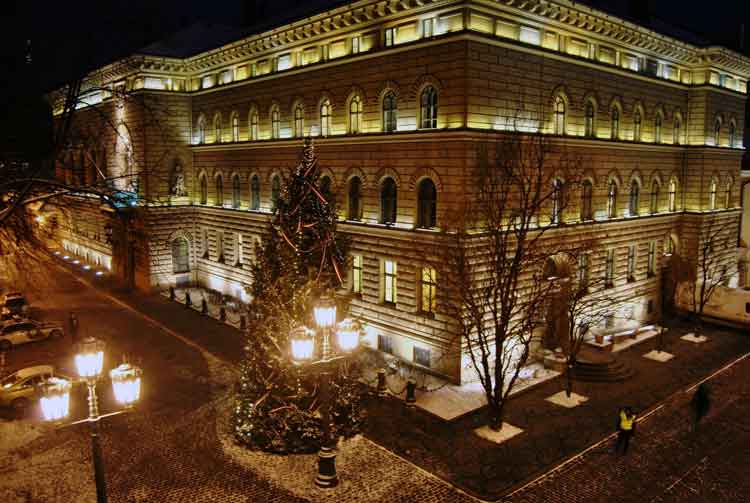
(13, 303)
(15, 332)
(19, 389)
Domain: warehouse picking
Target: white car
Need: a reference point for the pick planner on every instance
(15, 332)
(13, 303)
(19, 389)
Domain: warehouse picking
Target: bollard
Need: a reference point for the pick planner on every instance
(382, 389)
(171, 293)
(222, 314)
(411, 395)
(243, 322)
(188, 302)
(204, 307)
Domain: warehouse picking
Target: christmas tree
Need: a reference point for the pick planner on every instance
(301, 257)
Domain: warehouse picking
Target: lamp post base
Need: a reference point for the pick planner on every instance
(326, 468)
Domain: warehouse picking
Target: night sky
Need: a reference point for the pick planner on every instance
(69, 36)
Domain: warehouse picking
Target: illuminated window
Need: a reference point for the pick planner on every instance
(583, 269)
(428, 27)
(219, 191)
(217, 129)
(612, 199)
(390, 36)
(728, 195)
(299, 121)
(559, 115)
(426, 204)
(275, 192)
(180, 256)
(672, 199)
(657, 128)
(255, 193)
(428, 290)
(669, 246)
(389, 282)
(631, 263)
(676, 130)
(236, 191)
(634, 198)
(355, 114)
(615, 129)
(589, 119)
(240, 249)
(385, 343)
(637, 126)
(275, 123)
(712, 194)
(357, 274)
(653, 205)
(355, 199)
(587, 191)
(557, 201)
(609, 269)
(652, 258)
(429, 103)
(388, 201)
(253, 125)
(390, 112)
(355, 45)
(235, 128)
(325, 118)
(203, 190)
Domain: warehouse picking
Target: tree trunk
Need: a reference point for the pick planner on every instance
(569, 378)
(496, 417)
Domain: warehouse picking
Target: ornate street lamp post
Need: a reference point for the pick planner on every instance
(126, 385)
(303, 348)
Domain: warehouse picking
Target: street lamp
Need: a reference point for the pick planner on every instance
(303, 342)
(126, 386)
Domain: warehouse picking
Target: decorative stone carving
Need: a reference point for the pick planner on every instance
(177, 187)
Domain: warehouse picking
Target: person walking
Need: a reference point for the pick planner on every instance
(625, 429)
(700, 404)
(73, 322)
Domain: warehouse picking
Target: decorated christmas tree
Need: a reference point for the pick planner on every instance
(300, 258)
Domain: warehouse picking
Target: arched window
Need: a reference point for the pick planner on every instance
(219, 191)
(275, 192)
(299, 121)
(712, 194)
(217, 129)
(275, 123)
(557, 201)
(615, 129)
(355, 114)
(180, 255)
(203, 190)
(657, 128)
(235, 127)
(355, 199)
(255, 193)
(634, 198)
(728, 195)
(560, 110)
(588, 119)
(653, 205)
(612, 199)
(325, 118)
(390, 112)
(637, 125)
(201, 130)
(325, 187)
(732, 129)
(388, 201)
(717, 132)
(253, 125)
(236, 191)
(429, 104)
(587, 191)
(672, 202)
(676, 131)
(426, 204)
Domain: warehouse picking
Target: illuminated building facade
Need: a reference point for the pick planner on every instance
(399, 95)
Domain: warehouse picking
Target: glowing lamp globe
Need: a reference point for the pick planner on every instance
(90, 358)
(348, 335)
(302, 341)
(55, 400)
(126, 383)
(325, 312)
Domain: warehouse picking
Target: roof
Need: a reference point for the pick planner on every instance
(194, 39)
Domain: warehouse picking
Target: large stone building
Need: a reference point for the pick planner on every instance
(399, 95)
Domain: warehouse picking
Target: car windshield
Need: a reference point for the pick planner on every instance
(9, 381)
(17, 302)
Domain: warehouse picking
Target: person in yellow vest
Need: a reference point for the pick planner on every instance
(625, 429)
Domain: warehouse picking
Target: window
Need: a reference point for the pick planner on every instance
(220, 246)
(389, 281)
(357, 274)
(631, 263)
(255, 193)
(388, 202)
(676, 131)
(657, 129)
(588, 120)
(201, 130)
(235, 128)
(653, 205)
(205, 243)
(325, 187)
(203, 190)
(299, 121)
(637, 126)
(217, 129)
(385, 343)
(355, 45)
(669, 246)
(390, 36)
(426, 204)
(275, 123)
(583, 269)
(240, 250)
(728, 195)
(428, 290)
(612, 200)
(586, 195)
(275, 192)
(634, 198)
(559, 115)
(325, 118)
(355, 199)
(422, 356)
(355, 114)
(615, 129)
(390, 112)
(557, 201)
(180, 256)
(609, 270)
(428, 27)
(219, 191)
(717, 132)
(236, 191)
(429, 108)
(253, 125)
(672, 202)
(712, 194)
(732, 129)
(651, 258)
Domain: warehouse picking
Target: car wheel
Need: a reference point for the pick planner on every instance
(20, 404)
(5, 345)
(56, 334)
